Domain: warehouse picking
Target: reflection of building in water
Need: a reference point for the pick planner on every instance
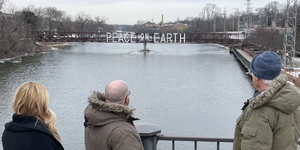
(168, 26)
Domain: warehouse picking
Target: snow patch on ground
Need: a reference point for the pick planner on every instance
(53, 48)
(221, 46)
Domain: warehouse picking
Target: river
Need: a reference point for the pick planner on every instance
(187, 89)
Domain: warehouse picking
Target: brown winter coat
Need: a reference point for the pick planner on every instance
(109, 126)
(272, 119)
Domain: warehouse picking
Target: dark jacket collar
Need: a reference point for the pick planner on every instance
(22, 123)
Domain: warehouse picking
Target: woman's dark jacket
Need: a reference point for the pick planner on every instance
(25, 133)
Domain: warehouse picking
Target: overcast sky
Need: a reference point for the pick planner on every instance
(130, 11)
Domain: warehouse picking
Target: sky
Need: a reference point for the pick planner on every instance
(130, 11)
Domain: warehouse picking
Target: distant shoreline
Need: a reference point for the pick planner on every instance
(38, 48)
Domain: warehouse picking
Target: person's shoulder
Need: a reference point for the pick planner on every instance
(125, 128)
(44, 141)
(263, 112)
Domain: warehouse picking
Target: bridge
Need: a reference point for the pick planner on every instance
(131, 37)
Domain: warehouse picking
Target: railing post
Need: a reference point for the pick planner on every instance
(173, 144)
(148, 133)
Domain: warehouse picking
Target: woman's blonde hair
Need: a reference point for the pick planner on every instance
(31, 98)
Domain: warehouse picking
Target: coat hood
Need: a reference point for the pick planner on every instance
(97, 100)
(27, 132)
(23, 123)
(99, 112)
(279, 94)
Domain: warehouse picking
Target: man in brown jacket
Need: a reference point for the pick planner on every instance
(109, 122)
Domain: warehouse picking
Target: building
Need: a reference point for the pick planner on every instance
(150, 25)
(180, 26)
(5, 16)
(167, 26)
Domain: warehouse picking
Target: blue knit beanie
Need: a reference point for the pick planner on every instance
(266, 65)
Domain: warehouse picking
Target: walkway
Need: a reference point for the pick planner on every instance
(246, 55)
(249, 58)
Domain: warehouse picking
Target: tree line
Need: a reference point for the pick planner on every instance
(20, 26)
(213, 19)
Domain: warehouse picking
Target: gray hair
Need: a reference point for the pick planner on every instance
(268, 82)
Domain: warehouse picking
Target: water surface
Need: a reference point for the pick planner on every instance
(188, 89)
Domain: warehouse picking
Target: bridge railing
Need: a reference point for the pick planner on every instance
(232, 38)
(195, 139)
(150, 135)
(241, 57)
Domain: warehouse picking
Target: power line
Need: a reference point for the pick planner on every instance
(240, 5)
(259, 3)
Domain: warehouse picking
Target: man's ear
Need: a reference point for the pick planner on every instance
(256, 78)
(126, 99)
(104, 96)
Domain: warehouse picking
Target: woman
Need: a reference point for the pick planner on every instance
(32, 125)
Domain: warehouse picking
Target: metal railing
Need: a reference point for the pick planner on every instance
(195, 139)
(150, 135)
(241, 58)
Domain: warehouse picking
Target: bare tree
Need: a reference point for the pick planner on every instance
(39, 12)
(1, 4)
(272, 10)
(211, 11)
(9, 8)
(67, 25)
(100, 21)
(82, 18)
(15, 37)
(52, 15)
(138, 26)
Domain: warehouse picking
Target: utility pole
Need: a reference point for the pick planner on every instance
(177, 22)
(224, 19)
(267, 21)
(215, 21)
(238, 15)
(289, 41)
(248, 15)
(259, 20)
(251, 25)
(244, 23)
(233, 23)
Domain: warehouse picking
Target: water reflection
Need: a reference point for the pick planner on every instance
(189, 89)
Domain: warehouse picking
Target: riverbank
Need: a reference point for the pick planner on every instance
(39, 47)
(44, 46)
